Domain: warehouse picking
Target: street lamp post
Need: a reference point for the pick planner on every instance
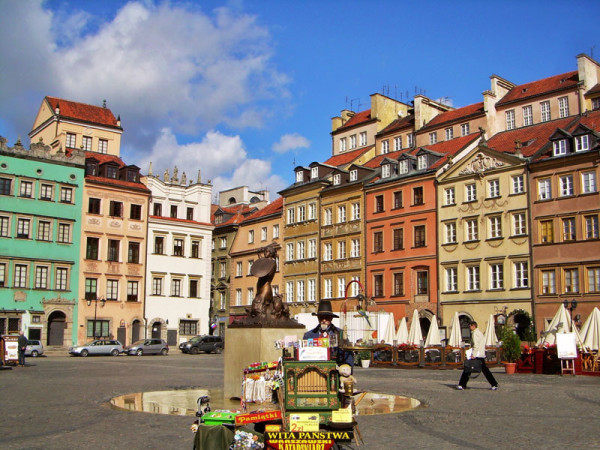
(89, 303)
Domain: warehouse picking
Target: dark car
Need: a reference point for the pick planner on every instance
(208, 344)
(147, 347)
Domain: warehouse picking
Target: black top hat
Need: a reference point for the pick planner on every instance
(325, 309)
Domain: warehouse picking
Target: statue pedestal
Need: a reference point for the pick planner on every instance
(247, 345)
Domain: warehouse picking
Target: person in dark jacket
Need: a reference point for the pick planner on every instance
(22, 343)
(326, 329)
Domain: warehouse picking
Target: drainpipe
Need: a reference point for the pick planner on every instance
(146, 266)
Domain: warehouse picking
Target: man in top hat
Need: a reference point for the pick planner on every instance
(327, 329)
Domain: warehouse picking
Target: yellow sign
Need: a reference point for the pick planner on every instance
(304, 422)
(342, 415)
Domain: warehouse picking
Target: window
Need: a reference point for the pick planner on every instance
(527, 116)
(355, 248)
(70, 142)
(223, 242)
(312, 295)
(91, 288)
(91, 248)
(238, 269)
(422, 162)
(588, 182)
(115, 209)
(102, 146)
(250, 297)
(519, 224)
(188, 327)
(159, 245)
(20, 276)
(291, 215)
(314, 172)
(328, 289)
(510, 119)
(363, 138)
(595, 103)
(176, 287)
(521, 275)
(449, 196)
(301, 213)
(593, 278)
(450, 233)
(495, 227)
(418, 198)
(299, 176)
(94, 205)
(433, 137)
(66, 195)
(494, 188)
(222, 270)
(46, 191)
(419, 231)
(300, 248)
(410, 140)
(158, 210)
(548, 282)
(397, 143)
(341, 214)
(91, 167)
(43, 230)
(112, 289)
(238, 297)
(5, 186)
(157, 286)
(547, 231)
(378, 242)
(471, 192)
(41, 277)
(25, 189)
(449, 133)
(64, 233)
(132, 291)
(300, 287)
(422, 282)
(399, 283)
(563, 107)
(545, 109)
(582, 143)
(342, 144)
(133, 253)
(328, 252)
(379, 203)
(385, 147)
(275, 231)
(341, 250)
(544, 189)
(398, 235)
(87, 143)
(289, 255)
(568, 229)
(496, 276)
(174, 211)
(23, 228)
(113, 250)
(98, 329)
(560, 147)
(398, 203)
(403, 167)
(472, 278)
(289, 291)
(355, 211)
(385, 171)
(353, 175)
(263, 233)
(451, 279)
(464, 129)
(518, 185)
(353, 141)
(472, 230)
(135, 212)
(250, 236)
(566, 185)
(4, 227)
(328, 216)
(591, 227)
(378, 285)
(571, 281)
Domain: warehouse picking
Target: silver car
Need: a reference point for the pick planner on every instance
(34, 348)
(98, 347)
(147, 347)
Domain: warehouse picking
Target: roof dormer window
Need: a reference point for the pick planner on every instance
(132, 175)
(354, 175)
(91, 167)
(111, 172)
(314, 172)
(422, 162)
(403, 166)
(582, 143)
(337, 179)
(299, 176)
(560, 147)
(385, 171)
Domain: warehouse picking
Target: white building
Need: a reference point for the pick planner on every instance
(179, 258)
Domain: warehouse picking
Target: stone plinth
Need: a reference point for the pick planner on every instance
(244, 346)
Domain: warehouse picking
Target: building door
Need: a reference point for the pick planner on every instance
(56, 328)
(122, 335)
(135, 331)
(156, 330)
(172, 338)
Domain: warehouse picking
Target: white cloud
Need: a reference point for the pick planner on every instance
(290, 142)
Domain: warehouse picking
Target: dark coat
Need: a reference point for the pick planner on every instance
(342, 356)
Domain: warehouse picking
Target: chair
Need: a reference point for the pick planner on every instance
(596, 362)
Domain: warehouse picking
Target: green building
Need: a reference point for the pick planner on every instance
(41, 192)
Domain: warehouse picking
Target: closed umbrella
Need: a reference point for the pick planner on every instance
(402, 334)
(414, 335)
(590, 331)
(455, 337)
(559, 324)
(433, 335)
(490, 333)
(390, 330)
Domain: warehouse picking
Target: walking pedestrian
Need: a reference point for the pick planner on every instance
(22, 343)
(479, 354)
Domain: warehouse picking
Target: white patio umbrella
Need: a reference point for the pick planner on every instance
(414, 335)
(402, 333)
(455, 337)
(590, 331)
(390, 330)
(490, 333)
(560, 324)
(433, 335)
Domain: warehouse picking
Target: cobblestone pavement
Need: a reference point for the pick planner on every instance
(58, 402)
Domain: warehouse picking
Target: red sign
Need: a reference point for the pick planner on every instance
(242, 419)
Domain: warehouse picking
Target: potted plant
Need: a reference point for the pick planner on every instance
(364, 357)
(511, 349)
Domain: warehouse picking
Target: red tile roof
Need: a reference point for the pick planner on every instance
(347, 158)
(81, 111)
(357, 119)
(104, 158)
(463, 113)
(272, 208)
(375, 162)
(560, 82)
(398, 124)
(591, 120)
(238, 212)
(594, 90)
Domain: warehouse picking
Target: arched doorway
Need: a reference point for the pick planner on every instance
(465, 327)
(156, 330)
(135, 331)
(425, 323)
(57, 322)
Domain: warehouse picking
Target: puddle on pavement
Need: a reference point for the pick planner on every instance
(183, 402)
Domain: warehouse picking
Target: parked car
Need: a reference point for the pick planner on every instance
(147, 347)
(208, 344)
(34, 348)
(98, 347)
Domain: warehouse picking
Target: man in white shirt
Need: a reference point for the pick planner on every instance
(479, 354)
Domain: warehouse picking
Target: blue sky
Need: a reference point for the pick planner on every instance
(245, 90)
